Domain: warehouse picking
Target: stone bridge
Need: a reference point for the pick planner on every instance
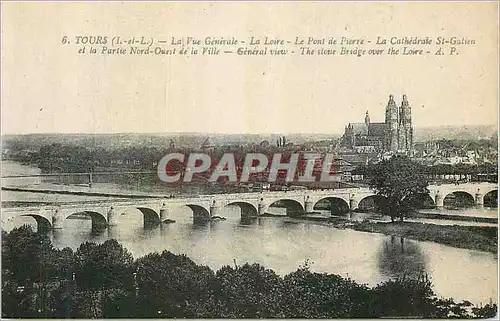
(204, 207)
(475, 190)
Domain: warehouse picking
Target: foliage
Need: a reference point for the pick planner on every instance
(404, 297)
(172, 286)
(27, 255)
(169, 285)
(403, 185)
(87, 304)
(487, 311)
(248, 291)
(18, 301)
(319, 295)
(108, 265)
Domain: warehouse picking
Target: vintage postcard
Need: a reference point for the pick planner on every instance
(249, 159)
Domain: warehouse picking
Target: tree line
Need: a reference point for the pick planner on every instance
(104, 281)
(73, 158)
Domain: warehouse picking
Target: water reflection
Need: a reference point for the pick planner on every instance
(399, 257)
(249, 220)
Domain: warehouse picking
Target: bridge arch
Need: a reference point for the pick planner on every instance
(371, 203)
(247, 209)
(293, 207)
(43, 224)
(459, 199)
(426, 201)
(490, 199)
(335, 204)
(151, 217)
(99, 221)
(200, 213)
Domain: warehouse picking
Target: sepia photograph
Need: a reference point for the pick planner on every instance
(249, 159)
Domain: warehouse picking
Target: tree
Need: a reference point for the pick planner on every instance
(248, 291)
(87, 304)
(27, 255)
(31, 267)
(405, 297)
(104, 266)
(320, 295)
(104, 281)
(172, 285)
(403, 184)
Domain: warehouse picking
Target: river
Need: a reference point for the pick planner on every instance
(280, 243)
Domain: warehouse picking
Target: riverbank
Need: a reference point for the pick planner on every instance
(481, 238)
(452, 217)
(80, 193)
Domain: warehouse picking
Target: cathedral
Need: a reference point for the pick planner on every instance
(394, 135)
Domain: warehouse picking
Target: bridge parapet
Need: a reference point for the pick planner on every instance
(255, 203)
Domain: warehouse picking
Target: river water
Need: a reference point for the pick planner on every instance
(280, 243)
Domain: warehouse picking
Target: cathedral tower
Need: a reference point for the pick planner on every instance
(405, 126)
(391, 126)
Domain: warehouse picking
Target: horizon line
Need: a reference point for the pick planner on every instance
(223, 133)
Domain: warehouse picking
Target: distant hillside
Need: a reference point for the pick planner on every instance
(189, 140)
(194, 140)
(455, 132)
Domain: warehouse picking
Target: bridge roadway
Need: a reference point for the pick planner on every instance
(204, 207)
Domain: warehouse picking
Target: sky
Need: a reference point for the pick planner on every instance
(48, 88)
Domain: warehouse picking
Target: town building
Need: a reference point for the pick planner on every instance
(207, 146)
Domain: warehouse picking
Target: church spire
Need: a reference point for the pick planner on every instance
(367, 119)
(405, 110)
(391, 101)
(405, 127)
(391, 111)
(405, 101)
(391, 124)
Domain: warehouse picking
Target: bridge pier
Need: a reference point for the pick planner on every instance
(261, 208)
(353, 203)
(113, 216)
(439, 199)
(57, 219)
(163, 213)
(479, 198)
(215, 209)
(308, 205)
